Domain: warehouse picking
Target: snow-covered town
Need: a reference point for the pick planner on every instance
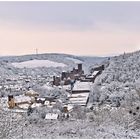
(57, 96)
(72, 98)
(69, 70)
(22, 97)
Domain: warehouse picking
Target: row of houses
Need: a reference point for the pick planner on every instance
(30, 100)
(22, 82)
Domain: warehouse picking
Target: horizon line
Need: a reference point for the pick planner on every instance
(86, 55)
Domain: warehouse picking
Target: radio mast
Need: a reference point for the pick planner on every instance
(36, 50)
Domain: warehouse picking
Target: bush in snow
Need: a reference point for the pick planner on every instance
(95, 93)
(78, 112)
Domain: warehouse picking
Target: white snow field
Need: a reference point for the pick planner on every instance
(38, 63)
(76, 61)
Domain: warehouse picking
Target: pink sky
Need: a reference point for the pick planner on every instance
(107, 39)
(80, 28)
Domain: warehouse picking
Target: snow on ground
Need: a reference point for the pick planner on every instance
(117, 80)
(76, 61)
(4, 103)
(47, 87)
(100, 126)
(38, 63)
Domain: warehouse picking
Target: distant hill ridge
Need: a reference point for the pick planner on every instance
(65, 59)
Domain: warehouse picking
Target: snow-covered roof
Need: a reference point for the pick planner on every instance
(36, 105)
(46, 103)
(32, 92)
(42, 99)
(22, 98)
(51, 116)
(82, 85)
(24, 106)
(69, 107)
(79, 99)
(94, 73)
(80, 95)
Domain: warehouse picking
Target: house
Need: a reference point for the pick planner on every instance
(20, 101)
(91, 77)
(50, 101)
(31, 93)
(98, 68)
(51, 116)
(67, 108)
(82, 86)
(80, 93)
(56, 80)
(79, 98)
(94, 73)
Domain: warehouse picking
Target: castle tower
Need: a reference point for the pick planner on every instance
(11, 101)
(79, 67)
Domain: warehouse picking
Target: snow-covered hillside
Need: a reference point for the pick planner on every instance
(38, 63)
(44, 63)
(76, 61)
(113, 109)
(119, 82)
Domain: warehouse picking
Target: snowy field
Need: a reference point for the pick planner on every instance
(38, 63)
